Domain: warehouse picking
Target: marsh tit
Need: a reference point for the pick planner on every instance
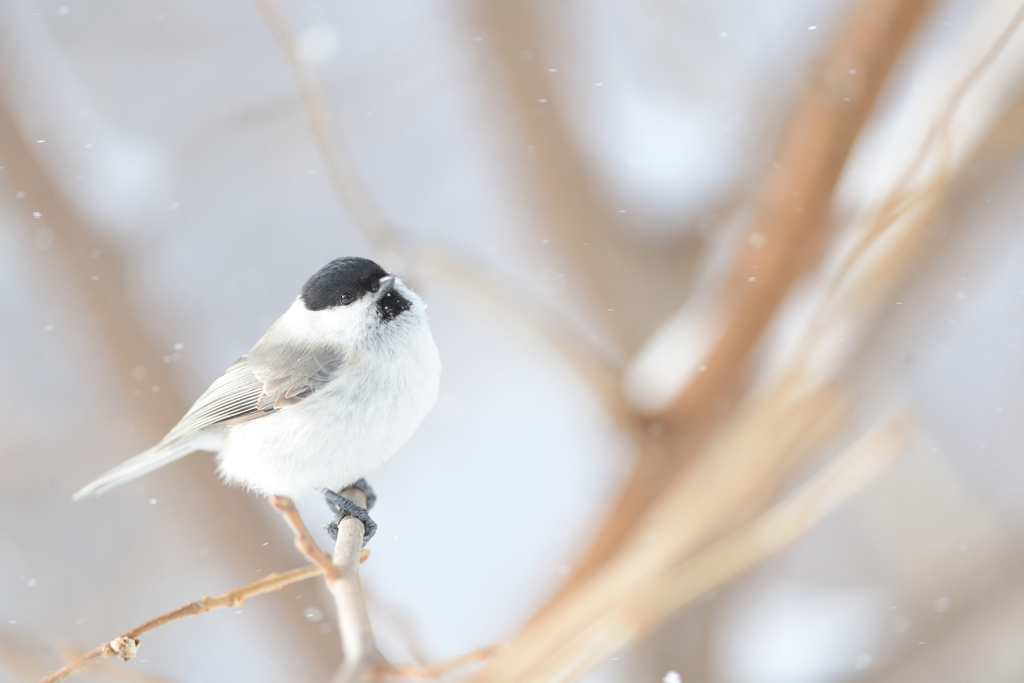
(336, 385)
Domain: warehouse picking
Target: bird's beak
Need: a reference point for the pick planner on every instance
(386, 285)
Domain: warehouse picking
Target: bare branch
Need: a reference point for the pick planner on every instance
(303, 541)
(793, 214)
(617, 271)
(346, 178)
(641, 588)
(595, 367)
(787, 231)
(437, 670)
(904, 196)
(125, 645)
(362, 661)
(735, 553)
(105, 669)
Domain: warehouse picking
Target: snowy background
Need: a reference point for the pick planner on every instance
(171, 136)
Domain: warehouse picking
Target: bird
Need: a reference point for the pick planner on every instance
(332, 390)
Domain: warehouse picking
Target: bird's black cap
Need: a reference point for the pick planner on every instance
(348, 275)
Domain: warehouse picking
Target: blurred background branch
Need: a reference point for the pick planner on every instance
(785, 236)
(615, 271)
(345, 178)
(88, 276)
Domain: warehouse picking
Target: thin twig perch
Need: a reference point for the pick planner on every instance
(362, 661)
(361, 657)
(126, 644)
(303, 541)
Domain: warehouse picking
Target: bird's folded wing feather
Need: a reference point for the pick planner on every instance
(268, 378)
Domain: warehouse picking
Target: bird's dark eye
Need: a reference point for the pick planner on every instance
(346, 299)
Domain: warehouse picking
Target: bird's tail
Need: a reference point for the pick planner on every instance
(141, 464)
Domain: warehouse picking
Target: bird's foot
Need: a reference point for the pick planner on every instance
(364, 486)
(343, 507)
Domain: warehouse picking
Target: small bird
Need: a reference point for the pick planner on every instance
(336, 386)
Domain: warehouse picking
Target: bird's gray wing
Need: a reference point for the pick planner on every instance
(272, 376)
(269, 377)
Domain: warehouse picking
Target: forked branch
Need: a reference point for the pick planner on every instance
(362, 661)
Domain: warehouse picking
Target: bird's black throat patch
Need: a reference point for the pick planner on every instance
(391, 304)
(348, 275)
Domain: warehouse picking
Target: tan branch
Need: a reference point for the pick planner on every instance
(786, 233)
(739, 472)
(614, 270)
(125, 645)
(348, 183)
(653, 578)
(303, 541)
(736, 552)
(904, 197)
(792, 217)
(107, 669)
(438, 670)
(362, 661)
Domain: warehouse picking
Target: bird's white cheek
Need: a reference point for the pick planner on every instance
(340, 323)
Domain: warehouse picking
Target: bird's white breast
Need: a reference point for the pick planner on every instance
(349, 427)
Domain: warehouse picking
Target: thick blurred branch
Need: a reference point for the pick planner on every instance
(735, 553)
(740, 474)
(788, 229)
(731, 555)
(969, 188)
(785, 238)
(438, 670)
(94, 272)
(126, 644)
(632, 285)
(774, 434)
